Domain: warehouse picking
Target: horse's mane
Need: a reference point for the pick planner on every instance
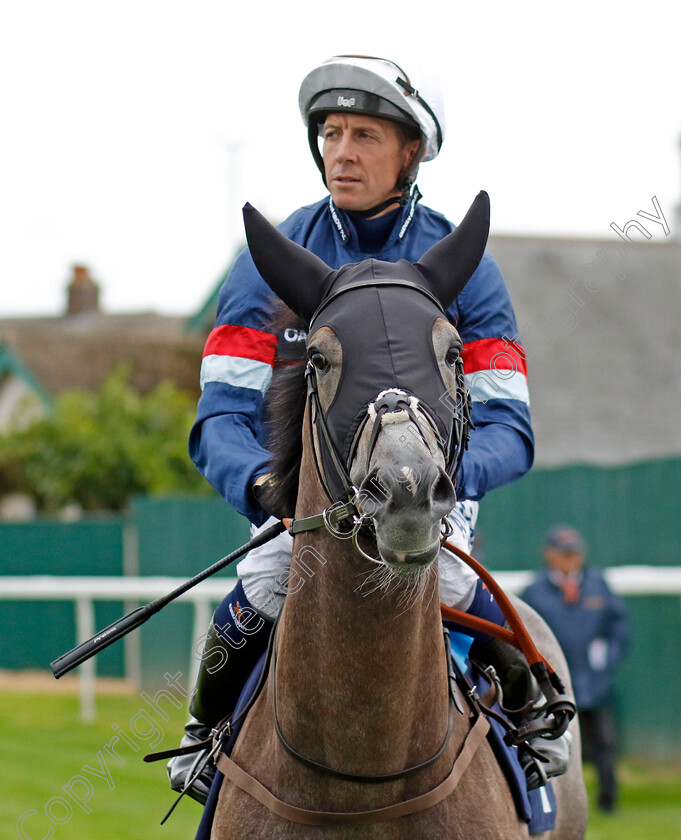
(285, 409)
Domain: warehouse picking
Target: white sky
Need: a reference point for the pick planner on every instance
(118, 120)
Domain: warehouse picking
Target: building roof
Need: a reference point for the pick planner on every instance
(80, 351)
(81, 348)
(599, 320)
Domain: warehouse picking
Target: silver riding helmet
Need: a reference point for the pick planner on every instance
(379, 88)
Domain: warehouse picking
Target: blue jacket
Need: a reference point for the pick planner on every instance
(227, 442)
(598, 615)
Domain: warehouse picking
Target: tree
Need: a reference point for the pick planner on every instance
(99, 449)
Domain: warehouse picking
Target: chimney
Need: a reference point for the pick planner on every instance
(83, 292)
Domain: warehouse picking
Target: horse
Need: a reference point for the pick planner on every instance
(355, 733)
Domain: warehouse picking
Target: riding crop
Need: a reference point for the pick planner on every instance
(114, 632)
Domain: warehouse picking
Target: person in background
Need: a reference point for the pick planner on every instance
(592, 627)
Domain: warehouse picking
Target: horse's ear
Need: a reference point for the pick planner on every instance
(450, 263)
(294, 274)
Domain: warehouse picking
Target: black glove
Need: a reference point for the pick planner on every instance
(266, 494)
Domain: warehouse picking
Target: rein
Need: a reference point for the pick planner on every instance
(518, 636)
(559, 705)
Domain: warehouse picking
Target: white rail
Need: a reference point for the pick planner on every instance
(133, 591)
(84, 591)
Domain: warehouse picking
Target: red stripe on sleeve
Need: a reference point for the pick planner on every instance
(245, 342)
(494, 354)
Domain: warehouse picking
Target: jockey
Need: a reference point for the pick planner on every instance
(370, 126)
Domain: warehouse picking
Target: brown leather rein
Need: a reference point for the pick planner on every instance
(559, 708)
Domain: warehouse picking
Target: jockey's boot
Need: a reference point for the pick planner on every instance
(523, 700)
(236, 639)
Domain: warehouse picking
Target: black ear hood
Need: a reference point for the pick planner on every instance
(302, 280)
(294, 274)
(451, 262)
(385, 330)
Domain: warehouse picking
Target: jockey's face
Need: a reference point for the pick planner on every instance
(363, 159)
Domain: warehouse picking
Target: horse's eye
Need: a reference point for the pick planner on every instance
(318, 360)
(452, 355)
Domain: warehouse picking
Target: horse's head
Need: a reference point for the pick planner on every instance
(385, 377)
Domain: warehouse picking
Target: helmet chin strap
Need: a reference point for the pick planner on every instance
(405, 184)
(379, 208)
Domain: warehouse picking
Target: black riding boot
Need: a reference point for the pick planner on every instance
(523, 698)
(236, 639)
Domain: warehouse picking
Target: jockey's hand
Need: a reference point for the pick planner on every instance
(265, 494)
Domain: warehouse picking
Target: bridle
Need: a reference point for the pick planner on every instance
(393, 404)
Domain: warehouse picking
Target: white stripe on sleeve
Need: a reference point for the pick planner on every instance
(236, 371)
(491, 384)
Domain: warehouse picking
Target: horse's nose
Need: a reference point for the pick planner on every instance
(415, 487)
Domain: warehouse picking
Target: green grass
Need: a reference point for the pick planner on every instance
(45, 746)
(649, 805)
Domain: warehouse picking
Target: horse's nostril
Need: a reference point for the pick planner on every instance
(442, 491)
(373, 494)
